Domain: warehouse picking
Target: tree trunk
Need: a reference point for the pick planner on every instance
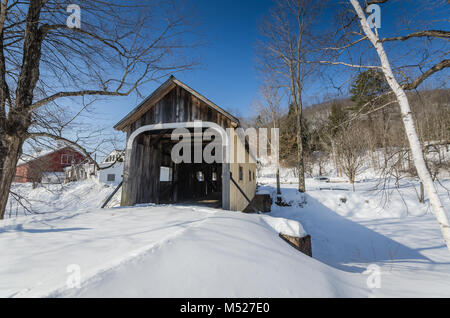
(14, 126)
(278, 182)
(422, 194)
(409, 161)
(385, 138)
(300, 161)
(336, 164)
(372, 142)
(9, 155)
(410, 129)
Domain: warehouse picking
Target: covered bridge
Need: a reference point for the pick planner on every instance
(150, 173)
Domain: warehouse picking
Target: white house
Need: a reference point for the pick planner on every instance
(112, 174)
(111, 169)
(113, 164)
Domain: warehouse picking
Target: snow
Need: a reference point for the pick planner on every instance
(190, 251)
(164, 251)
(50, 198)
(285, 226)
(400, 235)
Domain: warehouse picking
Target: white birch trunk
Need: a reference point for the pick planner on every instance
(408, 122)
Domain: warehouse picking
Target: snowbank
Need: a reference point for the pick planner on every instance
(161, 251)
(51, 198)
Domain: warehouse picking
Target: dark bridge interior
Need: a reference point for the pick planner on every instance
(168, 182)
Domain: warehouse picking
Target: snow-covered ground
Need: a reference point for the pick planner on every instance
(400, 236)
(172, 251)
(51, 198)
(188, 251)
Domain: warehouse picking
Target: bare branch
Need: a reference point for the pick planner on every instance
(436, 68)
(428, 33)
(74, 94)
(344, 64)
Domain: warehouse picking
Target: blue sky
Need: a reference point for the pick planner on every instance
(227, 74)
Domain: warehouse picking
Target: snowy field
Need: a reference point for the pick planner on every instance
(164, 251)
(188, 251)
(400, 236)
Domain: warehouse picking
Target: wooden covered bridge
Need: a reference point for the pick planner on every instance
(150, 174)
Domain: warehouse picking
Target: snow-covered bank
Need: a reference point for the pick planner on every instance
(49, 198)
(352, 230)
(172, 251)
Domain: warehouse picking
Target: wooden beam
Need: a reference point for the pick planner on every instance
(112, 194)
(159, 137)
(243, 193)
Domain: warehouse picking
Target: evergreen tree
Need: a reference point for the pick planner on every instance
(367, 86)
(337, 118)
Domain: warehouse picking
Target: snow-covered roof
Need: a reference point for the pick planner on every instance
(36, 154)
(114, 156)
(27, 157)
(108, 164)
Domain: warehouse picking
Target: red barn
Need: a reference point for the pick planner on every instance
(33, 167)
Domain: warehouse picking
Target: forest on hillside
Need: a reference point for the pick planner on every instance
(364, 129)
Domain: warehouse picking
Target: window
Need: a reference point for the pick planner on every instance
(200, 176)
(241, 173)
(165, 174)
(249, 175)
(66, 159)
(214, 176)
(111, 177)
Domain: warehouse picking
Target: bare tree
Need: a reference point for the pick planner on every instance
(287, 43)
(351, 149)
(269, 116)
(46, 61)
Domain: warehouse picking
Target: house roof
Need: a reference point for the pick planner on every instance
(159, 93)
(115, 152)
(27, 158)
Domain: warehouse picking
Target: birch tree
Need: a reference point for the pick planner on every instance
(407, 117)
